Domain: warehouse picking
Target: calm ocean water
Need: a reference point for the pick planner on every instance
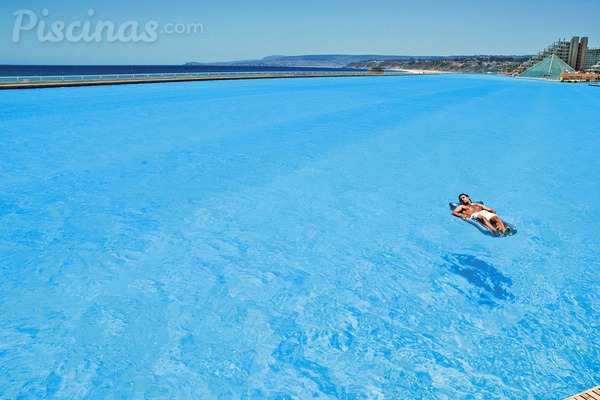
(51, 70)
(291, 239)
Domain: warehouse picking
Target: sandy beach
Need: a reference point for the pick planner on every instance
(421, 71)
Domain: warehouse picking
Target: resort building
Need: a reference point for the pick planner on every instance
(592, 60)
(574, 52)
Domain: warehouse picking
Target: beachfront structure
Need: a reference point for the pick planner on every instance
(551, 68)
(574, 52)
(595, 69)
(592, 60)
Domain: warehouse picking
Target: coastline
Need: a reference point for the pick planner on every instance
(421, 71)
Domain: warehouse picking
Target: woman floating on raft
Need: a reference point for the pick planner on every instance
(477, 211)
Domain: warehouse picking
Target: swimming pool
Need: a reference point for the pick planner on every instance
(292, 239)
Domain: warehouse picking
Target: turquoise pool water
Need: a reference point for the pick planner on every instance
(291, 239)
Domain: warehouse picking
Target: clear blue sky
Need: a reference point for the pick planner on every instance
(235, 29)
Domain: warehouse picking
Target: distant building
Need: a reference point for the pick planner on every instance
(577, 53)
(574, 52)
(375, 71)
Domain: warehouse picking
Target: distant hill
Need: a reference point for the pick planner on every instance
(318, 60)
(476, 63)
